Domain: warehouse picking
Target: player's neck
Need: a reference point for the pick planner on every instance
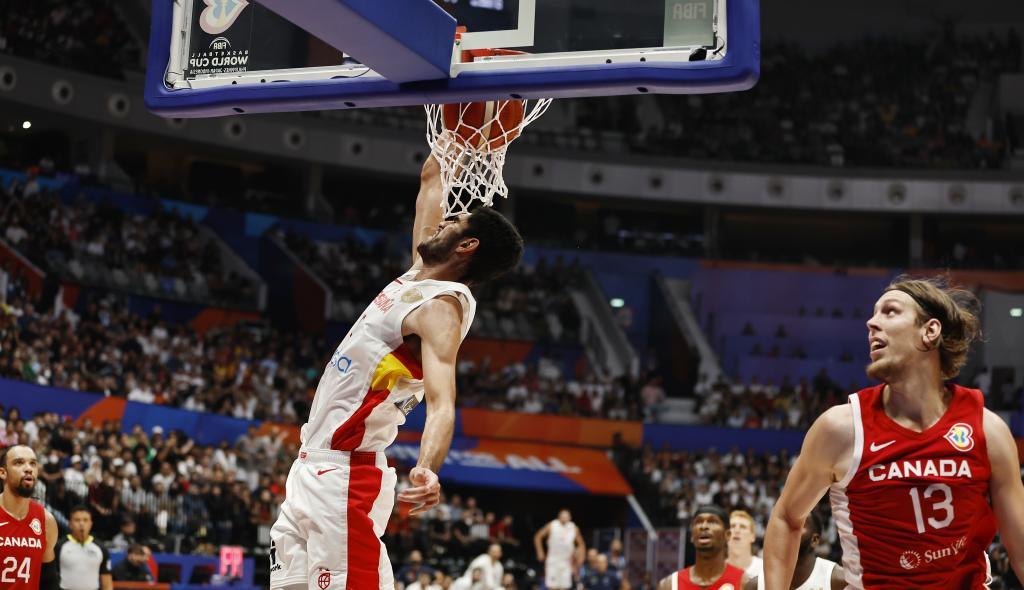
(804, 569)
(916, 401)
(441, 272)
(740, 555)
(710, 565)
(14, 505)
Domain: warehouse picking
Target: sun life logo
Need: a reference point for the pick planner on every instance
(219, 15)
(910, 560)
(960, 435)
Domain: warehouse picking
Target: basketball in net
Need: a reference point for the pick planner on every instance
(469, 140)
(484, 125)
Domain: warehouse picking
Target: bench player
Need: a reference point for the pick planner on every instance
(28, 532)
(919, 473)
(402, 350)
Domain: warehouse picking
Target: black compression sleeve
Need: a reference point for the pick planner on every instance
(49, 580)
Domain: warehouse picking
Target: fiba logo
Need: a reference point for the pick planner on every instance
(323, 580)
(960, 436)
(220, 43)
(910, 560)
(219, 15)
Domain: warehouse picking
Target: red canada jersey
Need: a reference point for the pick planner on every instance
(22, 543)
(731, 579)
(913, 510)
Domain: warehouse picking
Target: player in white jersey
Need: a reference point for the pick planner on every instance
(811, 572)
(402, 350)
(742, 536)
(564, 553)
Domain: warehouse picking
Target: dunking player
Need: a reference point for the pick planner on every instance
(28, 532)
(812, 572)
(711, 572)
(742, 536)
(565, 551)
(340, 490)
(919, 472)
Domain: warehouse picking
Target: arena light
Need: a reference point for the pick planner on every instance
(617, 302)
(26, 125)
(1016, 312)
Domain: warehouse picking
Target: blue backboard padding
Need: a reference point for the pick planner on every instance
(402, 40)
(739, 70)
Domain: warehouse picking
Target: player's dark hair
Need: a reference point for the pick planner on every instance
(500, 248)
(3, 457)
(80, 508)
(956, 310)
(709, 509)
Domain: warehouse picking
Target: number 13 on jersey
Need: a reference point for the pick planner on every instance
(937, 506)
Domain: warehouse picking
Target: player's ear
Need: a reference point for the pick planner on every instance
(468, 245)
(932, 333)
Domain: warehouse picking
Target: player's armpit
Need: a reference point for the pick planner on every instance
(750, 583)
(428, 207)
(1006, 488)
(665, 583)
(828, 441)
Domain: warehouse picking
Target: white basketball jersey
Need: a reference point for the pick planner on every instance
(561, 539)
(372, 382)
(820, 578)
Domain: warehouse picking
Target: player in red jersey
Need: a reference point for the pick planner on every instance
(711, 572)
(919, 473)
(28, 532)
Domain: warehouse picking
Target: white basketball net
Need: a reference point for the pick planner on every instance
(471, 170)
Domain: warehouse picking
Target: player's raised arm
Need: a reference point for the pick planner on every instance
(438, 323)
(828, 439)
(1006, 488)
(428, 206)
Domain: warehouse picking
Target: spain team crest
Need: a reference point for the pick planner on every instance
(960, 435)
(36, 526)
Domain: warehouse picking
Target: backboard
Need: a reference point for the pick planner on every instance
(221, 57)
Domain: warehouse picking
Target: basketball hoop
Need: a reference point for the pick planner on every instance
(469, 141)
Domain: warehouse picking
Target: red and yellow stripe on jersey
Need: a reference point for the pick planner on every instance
(396, 365)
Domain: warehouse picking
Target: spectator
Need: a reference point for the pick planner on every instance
(490, 568)
(126, 537)
(135, 566)
(602, 578)
(414, 568)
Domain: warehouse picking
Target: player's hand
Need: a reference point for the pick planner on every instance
(425, 492)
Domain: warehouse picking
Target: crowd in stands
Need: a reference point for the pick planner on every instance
(544, 387)
(85, 35)
(529, 303)
(766, 405)
(97, 244)
(898, 102)
(910, 104)
(247, 371)
(157, 488)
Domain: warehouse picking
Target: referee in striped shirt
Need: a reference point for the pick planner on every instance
(83, 563)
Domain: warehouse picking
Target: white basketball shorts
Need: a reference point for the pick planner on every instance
(327, 536)
(558, 573)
